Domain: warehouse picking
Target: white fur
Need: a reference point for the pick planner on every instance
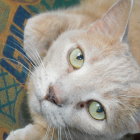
(107, 75)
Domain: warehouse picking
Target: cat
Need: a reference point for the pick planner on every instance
(87, 86)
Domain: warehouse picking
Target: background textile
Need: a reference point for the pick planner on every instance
(13, 75)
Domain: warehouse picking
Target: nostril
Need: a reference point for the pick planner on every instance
(51, 96)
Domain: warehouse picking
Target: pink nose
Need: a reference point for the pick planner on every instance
(51, 96)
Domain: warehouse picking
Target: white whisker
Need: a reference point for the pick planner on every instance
(18, 32)
(23, 55)
(52, 134)
(33, 53)
(66, 134)
(18, 63)
(40, 59)
(47, 132)
(60, 134)
(69, 133)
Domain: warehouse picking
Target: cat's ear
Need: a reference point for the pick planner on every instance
(115, 22)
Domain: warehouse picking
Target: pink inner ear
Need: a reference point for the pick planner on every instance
(101, 26)
(115, 21)
(97, 26)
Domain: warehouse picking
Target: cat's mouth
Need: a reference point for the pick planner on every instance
(52, 113)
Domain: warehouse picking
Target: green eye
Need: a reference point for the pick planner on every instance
(96, 110)
(76, 58)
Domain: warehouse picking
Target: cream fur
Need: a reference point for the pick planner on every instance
(110, 74)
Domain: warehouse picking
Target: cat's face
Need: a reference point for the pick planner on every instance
(88, 81)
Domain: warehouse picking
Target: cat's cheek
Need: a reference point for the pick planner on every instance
(33, 103)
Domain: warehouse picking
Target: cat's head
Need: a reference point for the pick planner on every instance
(88, 79)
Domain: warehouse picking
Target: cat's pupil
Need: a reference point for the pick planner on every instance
(80, 57)
(100, 109)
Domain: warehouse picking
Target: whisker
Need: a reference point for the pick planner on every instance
(31, 51)
(129, 96)
(23, 53)
(47, 132)
(122, 104)
(37, 55)
(52, 134)
(18, 63)
(24, 56)
(66, 134)
(69, 133)
(34, 53)
(67, 128)
(60, 134)
(22, 34)
(40, 59)
(29, 58)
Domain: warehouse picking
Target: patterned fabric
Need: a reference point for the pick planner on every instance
(13, 62)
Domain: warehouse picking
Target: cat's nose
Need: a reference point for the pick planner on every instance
(51, 96)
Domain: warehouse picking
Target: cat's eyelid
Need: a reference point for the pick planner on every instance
(72, 45)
